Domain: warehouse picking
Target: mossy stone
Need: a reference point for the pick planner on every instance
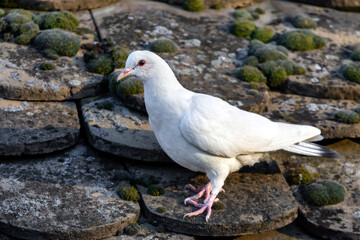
(47, 66)
(243, 28)
(128, 193)
(119, 56)
(323, 193)
(62, 19)
(355, 55)
(216, 6)
(299, 176)
(156, 190)
(352, 73)
(303, 22)
(26, 32)
(132, 229)
(102, 64)
(290, 67)
(164, 45)
(250, 74)
(23, 12)
(15, 19)
(301, 40)
(2, 13)
(277, 77)
(193, 5)
(218, 206)
(251, 61)
(57, 41)
(264, 34)
(269, 53)
(243, 14)
(347, 116)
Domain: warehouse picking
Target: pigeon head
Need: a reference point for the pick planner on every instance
(145, 65)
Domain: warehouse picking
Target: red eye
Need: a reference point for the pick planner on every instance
(141, 63)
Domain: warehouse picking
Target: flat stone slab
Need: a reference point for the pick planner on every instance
(207, 56)
(65, 196)
(114, 128)
(37, 127)
(340, 221)
(223, 3)
(21, 78)
(254, 202)
(315, 112)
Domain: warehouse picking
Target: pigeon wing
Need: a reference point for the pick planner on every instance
(216, 127)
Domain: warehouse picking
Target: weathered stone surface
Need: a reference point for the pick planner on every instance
(346, 5)
(223, 3)
(114, 128)
(254, 202)
(55, 5)
(207, 58)
(340, 221)
(21, 78)
(35, 128)
(314, 112)
(64, 196)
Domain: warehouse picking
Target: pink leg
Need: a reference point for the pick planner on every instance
(200, 192)
(207, 206)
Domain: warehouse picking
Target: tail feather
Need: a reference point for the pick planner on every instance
(312, 149)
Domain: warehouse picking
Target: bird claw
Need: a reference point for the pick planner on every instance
(207, 206)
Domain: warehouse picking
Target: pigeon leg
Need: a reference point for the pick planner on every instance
(200, 192)
(207, 206)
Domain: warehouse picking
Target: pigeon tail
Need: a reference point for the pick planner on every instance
(312, 149)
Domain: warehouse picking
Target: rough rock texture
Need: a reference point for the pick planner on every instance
(314, 112)
(262, 201)
(35, 128)
(21, 78)
(64, 196)
(55, 5)
(114, 128)
(346, 5)
(340, 221)
(207, 58)
(223, 3)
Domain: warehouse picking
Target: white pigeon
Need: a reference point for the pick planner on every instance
(206, 134)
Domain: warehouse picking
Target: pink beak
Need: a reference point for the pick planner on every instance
(124, 73)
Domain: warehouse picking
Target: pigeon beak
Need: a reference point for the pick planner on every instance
(124, 73)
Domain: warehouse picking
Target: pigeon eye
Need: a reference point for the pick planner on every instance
(141, 63)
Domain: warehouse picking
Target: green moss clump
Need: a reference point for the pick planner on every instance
(27, 31)
(243, 28)
(194, 5)
(299, 176)
(119, 56)
(352, 73)
(7, 36)
(250, 74)
(102, 64)
(299, 70)
(155, 190)
(164, 45)
(132, 229)
(243, 14)
(47, 66)
(323, 193)
(277, 77)
(218, 205)
(260, 11)
(23, 12)
(269, 53)
(251, 61)
(161, 210)
(264, 34)
(82, 31)
(216, 6)
(290, 67)
(301, 40)
(62, 19)
(355, 55)
(303, 22)
(57, 42)
(15, 19)
(255, 15)
(347, 116)
(2, 13)
(128, 193)
(129, 86)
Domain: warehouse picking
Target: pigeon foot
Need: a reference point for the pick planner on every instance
(200, 192)
(206, 206)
